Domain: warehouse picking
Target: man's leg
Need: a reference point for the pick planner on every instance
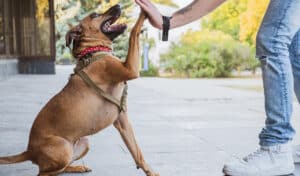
(280, 24)
(273, 42)
(295, 59)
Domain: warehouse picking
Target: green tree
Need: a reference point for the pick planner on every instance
(251, 19)
(238, 22)
(213, 54)
(226, 18)
(166, 2)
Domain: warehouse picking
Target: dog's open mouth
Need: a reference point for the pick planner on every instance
(108, 27)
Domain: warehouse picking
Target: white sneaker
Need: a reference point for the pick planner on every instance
(296, 154)
(267, 161)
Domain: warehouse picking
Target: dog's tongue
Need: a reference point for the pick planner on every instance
(116, 27)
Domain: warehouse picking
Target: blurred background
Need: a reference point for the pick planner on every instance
(219, 45)
(198, 104)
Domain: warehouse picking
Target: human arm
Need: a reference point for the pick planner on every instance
(192, 12)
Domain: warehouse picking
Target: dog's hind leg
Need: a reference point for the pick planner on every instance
(53, 155)
(80, 148)
(126, 131)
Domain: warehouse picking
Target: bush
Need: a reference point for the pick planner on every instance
(212, 54)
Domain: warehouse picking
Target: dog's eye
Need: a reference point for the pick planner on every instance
(94, 15)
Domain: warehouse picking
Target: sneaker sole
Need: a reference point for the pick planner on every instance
(281, 172)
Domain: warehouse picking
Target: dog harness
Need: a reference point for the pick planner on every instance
(87, 60)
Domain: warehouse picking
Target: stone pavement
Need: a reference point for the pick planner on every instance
(185, 127)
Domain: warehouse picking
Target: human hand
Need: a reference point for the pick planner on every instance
(153, 14)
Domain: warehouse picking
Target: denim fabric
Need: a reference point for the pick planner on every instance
(295, 59)
(278, 48)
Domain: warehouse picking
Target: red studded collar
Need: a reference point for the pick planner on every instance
(93, 49)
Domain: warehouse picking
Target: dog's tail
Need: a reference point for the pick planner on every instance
(15, 158)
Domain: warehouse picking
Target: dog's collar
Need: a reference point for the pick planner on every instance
(91, 50)
(89, 59)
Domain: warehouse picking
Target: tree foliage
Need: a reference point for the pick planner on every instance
(224, 44)
(239, 18)
(215, 55)
(166, 2)
(226, 18)
(251, 19)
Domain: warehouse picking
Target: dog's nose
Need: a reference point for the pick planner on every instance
(117, 6)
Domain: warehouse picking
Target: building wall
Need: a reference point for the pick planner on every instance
(27, 33)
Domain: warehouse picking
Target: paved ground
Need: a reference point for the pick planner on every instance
(184, 127)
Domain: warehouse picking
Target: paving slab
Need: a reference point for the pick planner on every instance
(185, 127)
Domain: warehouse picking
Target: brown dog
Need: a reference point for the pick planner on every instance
(58, 134)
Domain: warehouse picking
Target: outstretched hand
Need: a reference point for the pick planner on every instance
(153, 14)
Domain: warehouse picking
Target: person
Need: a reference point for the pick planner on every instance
(278, 49)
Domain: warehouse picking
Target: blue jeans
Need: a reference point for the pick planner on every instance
(278, 48)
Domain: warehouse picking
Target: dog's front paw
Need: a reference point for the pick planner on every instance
(153, 174)
(139, 23)
(77, 169)
(142, 16)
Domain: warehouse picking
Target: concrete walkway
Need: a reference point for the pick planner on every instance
(185, 127)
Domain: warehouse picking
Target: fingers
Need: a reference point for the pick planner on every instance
(140, 2)
(143, 5)
(152, 13)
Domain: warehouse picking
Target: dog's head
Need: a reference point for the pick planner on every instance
(96, 29)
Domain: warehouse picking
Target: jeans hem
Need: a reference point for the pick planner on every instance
(270, 144)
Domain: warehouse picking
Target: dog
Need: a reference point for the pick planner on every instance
(93, 99)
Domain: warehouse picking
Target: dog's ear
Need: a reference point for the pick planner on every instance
(73, 35)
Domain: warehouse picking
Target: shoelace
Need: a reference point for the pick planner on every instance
(254, 155)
